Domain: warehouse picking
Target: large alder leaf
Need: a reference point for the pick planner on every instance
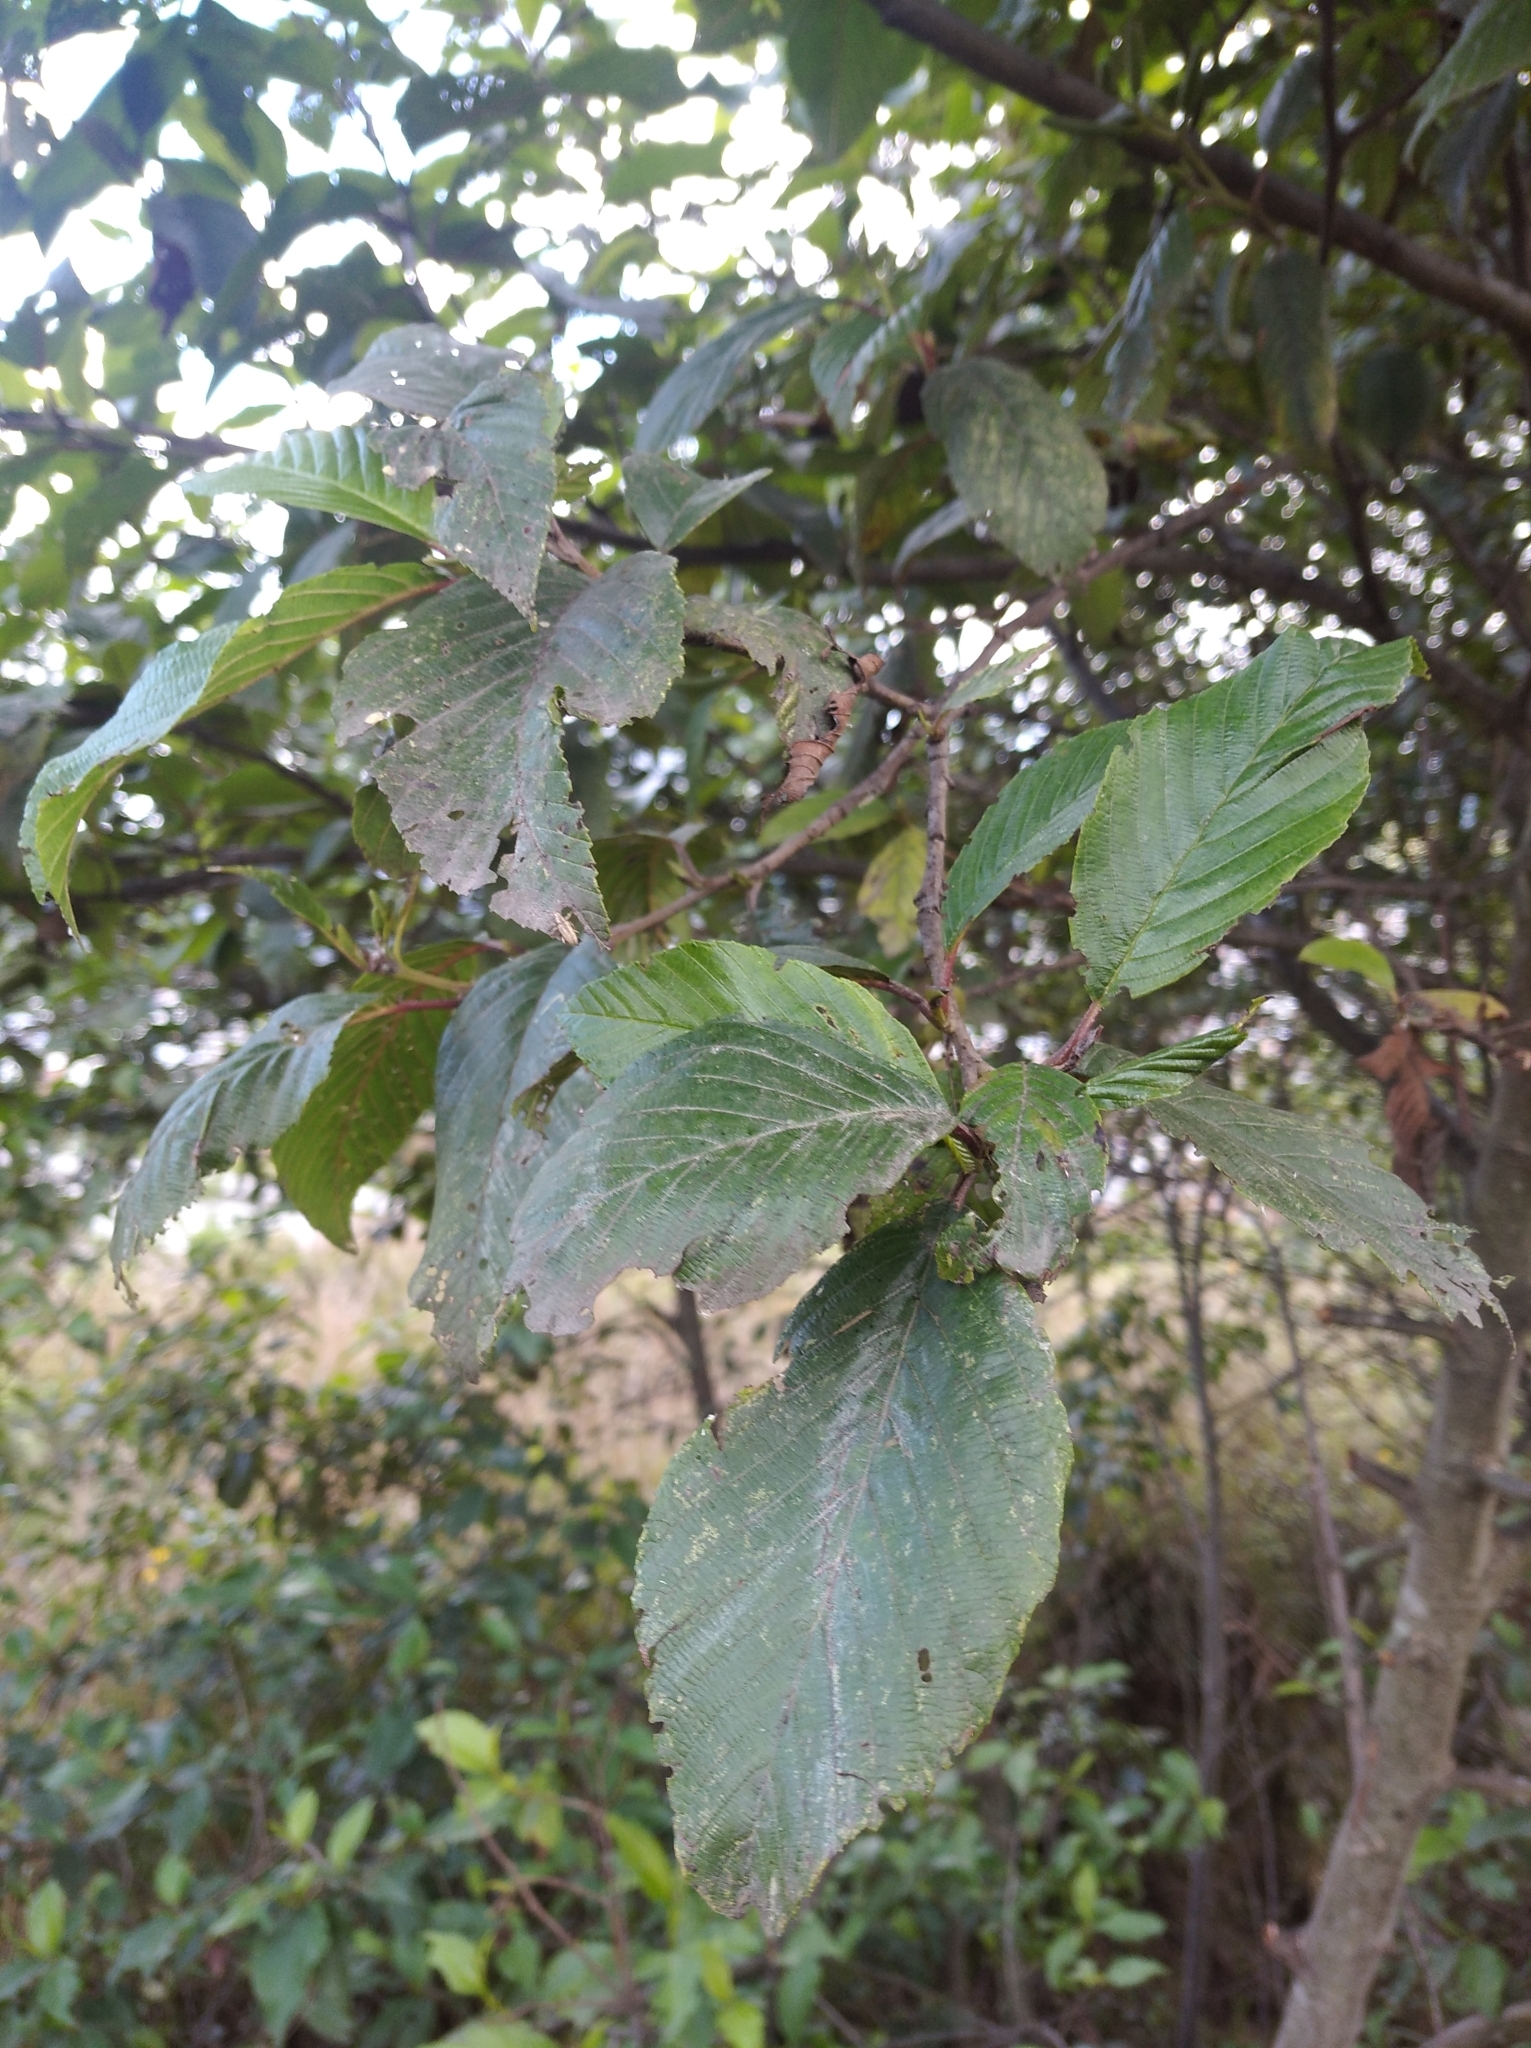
(1018, 460)
(422, 369)
(1218, 801)
(381, 1078)
(339, 471)
(701, 383)
(830, 1600)
(726, 1157)
(492, 477)
(1041, 1125)
(484, 753)
(1036, 811)
(486, 1155)
(1326, 1181)
(634, 1010)
(249, 1099)
(669, 501)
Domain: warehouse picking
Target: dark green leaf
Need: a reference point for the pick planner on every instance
(1165, 1072)
(374, 831)
(1295, 348)
(809, 671)
(615, 651)
(1033, 815)
(726, 1157)
(1394, 399)
(1161, 280)
(1041, 1125)
(1295, 96)
(1495, 43)
(421, 369)
(669, 501)
(689, 394)
(832, 1598)
(842, 62)
(1018, 460)
(281, 1964)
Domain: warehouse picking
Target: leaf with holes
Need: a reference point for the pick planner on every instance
(1220, 799)
(1033, 815)
(422, 369)
(1041, 1126)
(1327, 1183)
(491, 464)
(830, 1600)
(1018, 460)
(249, 1099)
(338, 471)
(637, 1009)
(726, 1157)
(813, 685)
(699, 386)
(669, 501)
(484, 754)
(381, 1078)
(615, 651)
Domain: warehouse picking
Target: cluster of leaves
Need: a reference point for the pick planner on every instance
(232, 1795)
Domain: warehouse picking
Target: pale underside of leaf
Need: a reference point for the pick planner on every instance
(1033, 815)
(337, 471)
(635, 1010)
(669, 501)
(1326, 1182)
(830, 1600)
(1041, 1124)
(249, 1099)
(1018, 460)
(726, 1157)
(421, 368)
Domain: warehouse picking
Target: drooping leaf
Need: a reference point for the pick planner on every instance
(889, 887)
(615, 651)
(491, 463)
(1040, 808)
(1327, 1183)
(1163, 276)
(1295, 348)
(634, 1010)
(701, 383)
(381, 1077)
(338, 471)
(810, 673)
(669, 501)
(830, 1600)
(1495, 43)
(1218, 800)
(940, 525)
(422, 369)
(842, 61)
(1351, 956)
(485, 1155)
(249, 1099)
(1041, 1125)
(726, 1157)
(1166, 1071)
(1018, 460)
(484, 753)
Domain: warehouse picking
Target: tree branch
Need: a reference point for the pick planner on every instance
(1279, 199)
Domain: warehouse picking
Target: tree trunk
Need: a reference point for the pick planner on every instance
(1452, 1578)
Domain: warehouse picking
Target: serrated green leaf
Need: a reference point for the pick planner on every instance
(1033, 815)
(486, 1155)
(1163, 276)
(422, 369)
(380, 1079)
(1327, 1183)
(615, 651)
(842, 61)
(484, 754)
(1018, 461)
(249, 1099)
(669, 501)
(830, 1600)
(726, 1157)
(794, 649)
(187, 678)
(1294, 346)
(491, 463)
(1041, 1125)
(1164, 1072)
(1495, 43)
(1351, 956)
(634, 1010)
(337, 471)
(693, 391)
(889, 887)
(1218, 801)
